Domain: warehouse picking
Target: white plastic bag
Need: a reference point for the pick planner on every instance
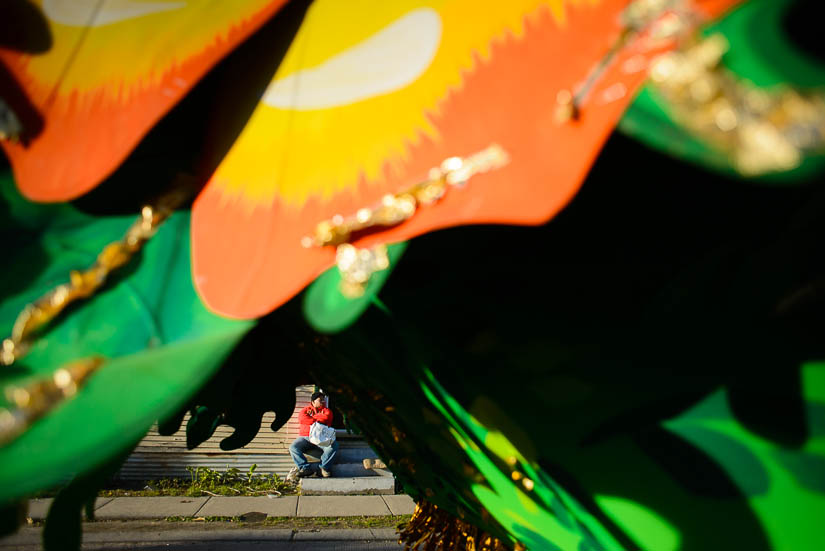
(321, 435)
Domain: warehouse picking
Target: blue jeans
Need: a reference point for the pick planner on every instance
(302, 445)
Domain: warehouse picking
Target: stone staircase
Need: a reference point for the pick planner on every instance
(349, 477)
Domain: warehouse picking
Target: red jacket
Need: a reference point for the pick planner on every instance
(309, 415)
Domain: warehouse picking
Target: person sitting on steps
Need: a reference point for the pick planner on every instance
(315, 411)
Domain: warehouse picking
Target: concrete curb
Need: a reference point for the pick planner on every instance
(32, 536)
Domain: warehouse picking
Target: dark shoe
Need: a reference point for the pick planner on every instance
(305, 473)
(325, 473)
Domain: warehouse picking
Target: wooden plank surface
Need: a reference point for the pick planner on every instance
(159, 456)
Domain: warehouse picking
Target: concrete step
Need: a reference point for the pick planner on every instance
(352, 470)
(348, 485)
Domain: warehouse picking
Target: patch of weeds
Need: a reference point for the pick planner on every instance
(301, 524)
(309, 523)
(206, 481)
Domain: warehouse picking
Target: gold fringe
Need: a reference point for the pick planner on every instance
(434, 529)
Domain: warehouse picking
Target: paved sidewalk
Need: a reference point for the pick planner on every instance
(149, 508)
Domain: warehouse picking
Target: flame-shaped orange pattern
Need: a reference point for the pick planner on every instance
(248, 223)
(101, 87)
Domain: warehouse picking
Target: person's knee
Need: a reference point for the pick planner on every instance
(294, 447)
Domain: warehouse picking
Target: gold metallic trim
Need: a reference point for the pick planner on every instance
(30, 402)
(358, 265)
(396, 208)
(83, 284)
(665, 19)
(761, 130)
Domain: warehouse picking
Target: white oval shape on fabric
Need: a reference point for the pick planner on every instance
(79, 13)
(389, 60)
